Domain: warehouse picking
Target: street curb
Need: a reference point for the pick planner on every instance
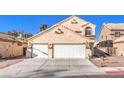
(115, 72)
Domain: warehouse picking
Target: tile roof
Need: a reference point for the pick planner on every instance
(6, 36)
(114, 26)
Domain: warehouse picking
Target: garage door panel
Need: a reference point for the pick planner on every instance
(40, 51)
(69, 51)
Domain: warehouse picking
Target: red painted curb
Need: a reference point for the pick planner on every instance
(116, 72)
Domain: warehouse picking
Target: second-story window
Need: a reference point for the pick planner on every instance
(117, 34)
(88, 31)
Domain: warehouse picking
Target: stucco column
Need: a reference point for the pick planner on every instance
(31, 50)
(50, 50)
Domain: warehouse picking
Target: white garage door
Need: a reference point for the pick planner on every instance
(40, 51)
(69, 51)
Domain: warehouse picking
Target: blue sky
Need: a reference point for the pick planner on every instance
(31, 23)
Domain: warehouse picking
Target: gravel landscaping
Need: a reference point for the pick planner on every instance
(108, 62)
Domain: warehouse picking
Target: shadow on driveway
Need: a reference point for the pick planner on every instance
(43, 73)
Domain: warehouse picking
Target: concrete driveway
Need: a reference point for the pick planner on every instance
(37, 67)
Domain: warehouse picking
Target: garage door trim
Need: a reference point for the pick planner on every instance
(83, 53)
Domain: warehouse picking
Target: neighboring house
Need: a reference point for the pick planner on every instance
(109, 33)
(119, 46)
(70, 38)
(11, 47)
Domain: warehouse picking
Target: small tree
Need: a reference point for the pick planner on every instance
(19, 34)
(43, 27)
(27, 35)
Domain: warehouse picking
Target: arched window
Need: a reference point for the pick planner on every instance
(88, 31)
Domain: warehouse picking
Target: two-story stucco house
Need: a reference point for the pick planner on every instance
(109, 36)
(70, 38)
(110, 32)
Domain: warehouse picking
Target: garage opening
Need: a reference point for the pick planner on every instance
(40, 51)
(69, 51)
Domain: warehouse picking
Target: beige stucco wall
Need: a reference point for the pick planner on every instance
(10, 49)
(80, 25)
(120, 48)
(17, 50)
(4, 49)
(68, 36)
(88, 53)
(113, 36)
(51, 37)
(105, 32)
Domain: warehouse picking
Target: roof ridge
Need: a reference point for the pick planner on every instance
(107, 27)
(55, 25)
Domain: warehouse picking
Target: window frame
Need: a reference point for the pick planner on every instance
(87, 33)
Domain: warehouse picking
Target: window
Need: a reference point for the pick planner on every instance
(88, 31)
(117, 34)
